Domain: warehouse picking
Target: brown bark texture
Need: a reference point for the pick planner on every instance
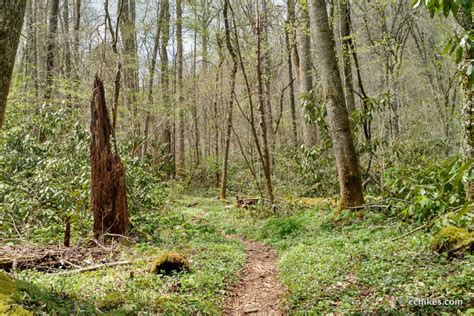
(108, 196)
(11, 22)
(350, 183)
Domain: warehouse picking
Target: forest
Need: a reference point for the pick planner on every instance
(236, 157)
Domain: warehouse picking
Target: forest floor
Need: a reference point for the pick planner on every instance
(303, 259)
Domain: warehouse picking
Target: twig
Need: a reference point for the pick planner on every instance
(95, 267)
(412, 231)
(368, 206)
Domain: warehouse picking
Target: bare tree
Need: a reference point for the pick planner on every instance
(233, 74)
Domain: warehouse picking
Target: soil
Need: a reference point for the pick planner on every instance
(259, 291)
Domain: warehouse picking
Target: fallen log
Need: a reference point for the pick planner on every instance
(96, 267)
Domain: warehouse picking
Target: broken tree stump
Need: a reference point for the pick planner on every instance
(108, 196)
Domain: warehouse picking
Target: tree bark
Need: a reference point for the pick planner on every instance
(289, 44)
(266, 77)
(350, 184)
(51, 49)
(165, 81)
(67, 46)
(180, 168)
(31, 29)
(126, 11)
(109, 198)
(345, 28)
(11, 22)
(465, 19)
(151, 78)
(77, 26)
(306, 79)
(265, 156)
(230, 109)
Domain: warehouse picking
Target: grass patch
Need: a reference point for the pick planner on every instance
(214, 261)
(349, 264)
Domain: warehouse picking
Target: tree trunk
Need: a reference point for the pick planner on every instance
(266, 77)
(289, 44)
(179, 85)
(350, 183)
(31, 29)
(151, 78)
(345, 12)
(51, 49)
(265, 156)
(11, 19)
(306, 80)
(67, 46)
(217, 98)
(197, 134)
(126, 10)
(77, 25)
(465, 19)
(165, 82)
(109, 198)
(230, 110)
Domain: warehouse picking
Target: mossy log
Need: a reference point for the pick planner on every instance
(8, 289)
(454, 241)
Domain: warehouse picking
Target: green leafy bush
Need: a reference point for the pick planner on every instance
(43, 183)
(423, 192)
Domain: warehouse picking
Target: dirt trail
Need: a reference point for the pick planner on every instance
(259, 291)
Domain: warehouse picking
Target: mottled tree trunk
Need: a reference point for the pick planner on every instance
(350, 183)
(77, 25)
(151, 79)
(109, 198)
(289, 41)
(126, 10)
(180, 168)
(345, 28)
(306, 79)
(465, 19)
(11, 22)
(51, 50)
(31, 29)
(266, 77)
(165, 82)
(67, 46)
(265, 154)
(230, 110)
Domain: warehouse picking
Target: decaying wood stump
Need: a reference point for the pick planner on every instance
(245, 202)
(109, 198)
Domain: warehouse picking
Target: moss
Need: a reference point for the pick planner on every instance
(169, 262)
(9, 288)
(453, 240)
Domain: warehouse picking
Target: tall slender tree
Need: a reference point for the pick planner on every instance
(350, 183)
(180, 168)
(345, 29)
(230, 109)
(51, 49)
(166, 139)
(306, 78)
